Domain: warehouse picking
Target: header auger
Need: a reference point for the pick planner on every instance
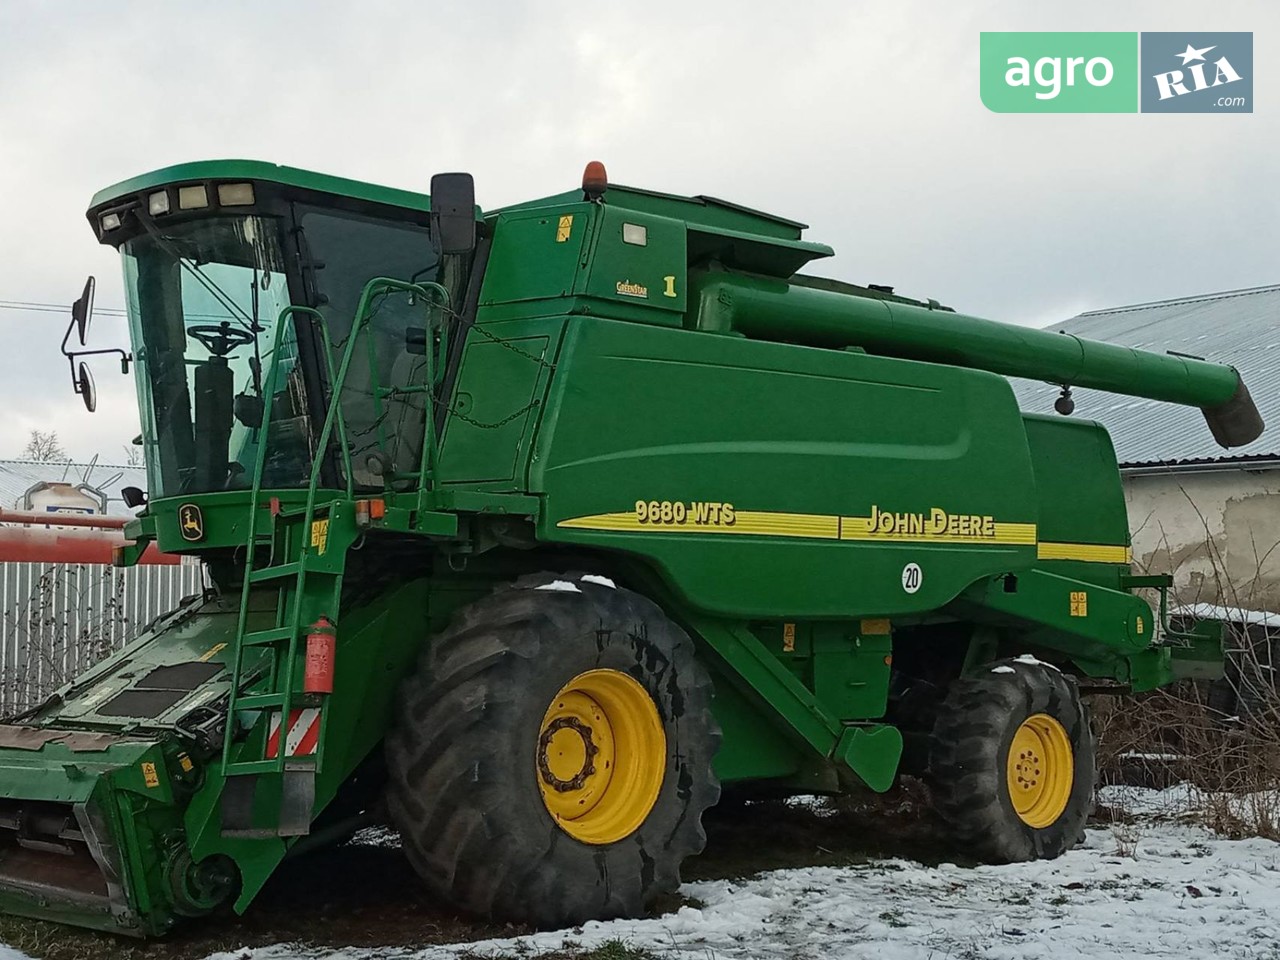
(555, 519)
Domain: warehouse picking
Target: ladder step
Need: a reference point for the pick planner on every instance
(279, 571)
(245, 767)
(260, 701)
(262, 638)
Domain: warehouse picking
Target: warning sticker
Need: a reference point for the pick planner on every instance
(320, 535)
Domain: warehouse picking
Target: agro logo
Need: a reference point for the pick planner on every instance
(1197, 73)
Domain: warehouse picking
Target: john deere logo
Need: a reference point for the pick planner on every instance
(191, 522)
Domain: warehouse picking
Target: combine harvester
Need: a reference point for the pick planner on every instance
(546, 522)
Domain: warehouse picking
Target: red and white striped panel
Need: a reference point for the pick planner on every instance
(302, 737)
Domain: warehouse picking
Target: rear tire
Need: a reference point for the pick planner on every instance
(1012, 762)
(492, 734)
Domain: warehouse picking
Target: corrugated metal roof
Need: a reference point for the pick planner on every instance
(1237, 327)
(19, 476)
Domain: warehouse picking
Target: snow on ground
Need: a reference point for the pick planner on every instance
(376, 836)
(1150, 888)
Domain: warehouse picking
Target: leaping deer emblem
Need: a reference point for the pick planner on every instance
(190, 523)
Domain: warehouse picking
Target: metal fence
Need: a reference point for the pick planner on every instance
(58, 619)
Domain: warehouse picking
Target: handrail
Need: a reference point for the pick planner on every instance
(372, 288)
(269, 392)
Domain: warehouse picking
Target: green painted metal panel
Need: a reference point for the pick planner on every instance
(496, 402)
(754, 745)
(761, 508)
(537, 255)
(851, 670)
(640, 258)
(1081, 499)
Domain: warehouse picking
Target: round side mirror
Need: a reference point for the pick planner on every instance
(84, 386)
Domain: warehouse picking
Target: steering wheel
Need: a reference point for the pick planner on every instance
(220, 339)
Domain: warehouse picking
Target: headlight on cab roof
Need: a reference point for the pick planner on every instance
(110, 221)
(235, 194)
(193, 197)
(158, 203)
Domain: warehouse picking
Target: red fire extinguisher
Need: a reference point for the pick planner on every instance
(322, 644)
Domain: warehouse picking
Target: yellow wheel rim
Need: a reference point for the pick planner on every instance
(1040, 770)
(601, 756)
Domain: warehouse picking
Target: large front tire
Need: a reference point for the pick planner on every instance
(551, 759)
(1012, 765)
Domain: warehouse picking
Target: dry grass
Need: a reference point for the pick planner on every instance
(1227, 748)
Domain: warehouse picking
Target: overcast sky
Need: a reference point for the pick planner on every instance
(861, 119)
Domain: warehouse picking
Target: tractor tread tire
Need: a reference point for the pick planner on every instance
(967, 763)
(462, 786)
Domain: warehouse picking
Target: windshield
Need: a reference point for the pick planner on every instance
(204, 298)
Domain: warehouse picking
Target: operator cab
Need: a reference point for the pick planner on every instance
(217, 256)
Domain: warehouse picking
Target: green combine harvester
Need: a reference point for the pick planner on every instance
(533, 528)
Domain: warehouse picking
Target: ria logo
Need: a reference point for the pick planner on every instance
(1171, 84)
(1116, 72)
(1197, 72)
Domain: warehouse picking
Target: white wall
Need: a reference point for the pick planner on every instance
(1218, 532)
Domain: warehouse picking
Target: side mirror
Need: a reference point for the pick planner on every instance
(82, 310)
(81, 378)
(453, 212)
(84, 386)
(132, 496)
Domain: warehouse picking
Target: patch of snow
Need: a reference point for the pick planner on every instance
(1003, 668)
(1182, 892)
(596, 578)
(1179, 800)
(562, 586)
(378, 836)
(816, 805)
(1210, 611)
(1028, 658)
(8, 953)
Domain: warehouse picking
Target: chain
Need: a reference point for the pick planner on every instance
(533, 404)
(516, 350)
(501, 423)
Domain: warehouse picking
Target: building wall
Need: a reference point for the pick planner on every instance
(1218, 532)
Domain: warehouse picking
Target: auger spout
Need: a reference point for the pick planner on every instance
(771, 309)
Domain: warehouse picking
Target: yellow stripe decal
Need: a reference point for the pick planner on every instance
(758, 523)
(1086, 552)
(815, 526)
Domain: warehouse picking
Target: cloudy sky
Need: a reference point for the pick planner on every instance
(860, 118)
